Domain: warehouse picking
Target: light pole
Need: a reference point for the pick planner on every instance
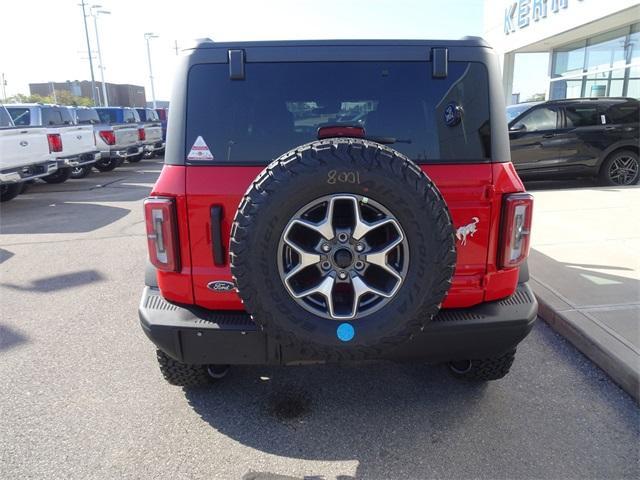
(94, 13)
(86, 32)
(147, 37)
(4, 88)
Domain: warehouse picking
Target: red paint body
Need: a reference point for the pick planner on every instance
(469, 190)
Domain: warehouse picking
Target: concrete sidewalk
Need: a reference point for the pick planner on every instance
(585, 271)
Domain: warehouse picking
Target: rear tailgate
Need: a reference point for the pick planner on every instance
(153, 132)
(76, 139)
(235, 128)
(126, 135)
(464, 188)
(22, 146)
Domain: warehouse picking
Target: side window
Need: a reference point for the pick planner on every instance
(624, 113)
(51, 116)
(5, 119)
(540, 119)
(580, 116)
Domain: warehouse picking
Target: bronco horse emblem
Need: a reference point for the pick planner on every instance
(469, 229)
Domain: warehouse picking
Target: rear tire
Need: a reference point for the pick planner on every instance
(482, 370)
(620, 168)
(188, 375)
(10, 191)
(60, 176)
(81, 172)
(106, 165)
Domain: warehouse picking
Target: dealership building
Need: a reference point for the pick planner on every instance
(592, 46)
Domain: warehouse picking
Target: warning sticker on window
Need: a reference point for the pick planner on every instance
(200, 150)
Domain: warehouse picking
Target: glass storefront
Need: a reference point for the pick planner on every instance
(606, 65)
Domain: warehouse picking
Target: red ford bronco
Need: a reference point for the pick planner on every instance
(328, 201)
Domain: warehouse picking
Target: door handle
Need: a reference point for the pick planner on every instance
(609, 128)
(548, 135)
(216, 235)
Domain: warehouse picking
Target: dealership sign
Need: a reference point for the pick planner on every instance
(519, 14)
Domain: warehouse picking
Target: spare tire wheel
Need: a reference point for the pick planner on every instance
(342, 248)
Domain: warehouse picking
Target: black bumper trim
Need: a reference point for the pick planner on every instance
(193, 334)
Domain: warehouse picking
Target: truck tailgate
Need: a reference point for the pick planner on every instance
(153, 132)
(76, 139)
(126, 135)
(22, 146)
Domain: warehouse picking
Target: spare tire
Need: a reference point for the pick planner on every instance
(342, 248)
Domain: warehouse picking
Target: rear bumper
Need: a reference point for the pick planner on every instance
(126, 152)
(87, 158)
(28, 172)
(154, 147)
(196, 335)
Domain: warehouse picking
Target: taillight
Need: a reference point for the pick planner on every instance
(108, 136)
(515, 234)
(162, 233)
(142, 135)
(55, 142)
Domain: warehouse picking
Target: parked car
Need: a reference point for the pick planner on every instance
(118, 136)
(153, 142)
(277, 236)
(163, 115)
(577, 137)
(75, 145)
(25, 154)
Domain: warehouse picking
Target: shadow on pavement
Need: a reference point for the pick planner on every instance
(340, 412)
(10, 338)
(33, 215)
(5, 255)
(58, 282)
(415, 421)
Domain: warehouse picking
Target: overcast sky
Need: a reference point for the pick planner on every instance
(43, 40)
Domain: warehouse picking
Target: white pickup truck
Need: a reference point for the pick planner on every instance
(150, 121)
(24, 155)
(72, 145)
(118, 135)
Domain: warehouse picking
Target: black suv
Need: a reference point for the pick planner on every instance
(576, 137)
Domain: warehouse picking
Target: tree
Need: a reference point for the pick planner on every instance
(536, 97)
(62, 97)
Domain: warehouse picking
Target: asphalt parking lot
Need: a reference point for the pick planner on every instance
(81, 395)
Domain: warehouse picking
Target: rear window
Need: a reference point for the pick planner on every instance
(624, 113)
(107, 115)
(279, 106)
(87, 116)
(141, 114)
(582, 116)
(67, 116)
(52, 116)
(130, 116)
(151, 116)
(21, 116)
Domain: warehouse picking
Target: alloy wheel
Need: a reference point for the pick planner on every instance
(343, 256)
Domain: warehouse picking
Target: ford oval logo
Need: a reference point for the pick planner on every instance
(452, 114)
(221, 286)
(24, 143)
(79, 137)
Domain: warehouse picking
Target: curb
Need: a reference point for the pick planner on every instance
(619, 361)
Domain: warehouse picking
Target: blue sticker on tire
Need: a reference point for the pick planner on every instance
(345, 332)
